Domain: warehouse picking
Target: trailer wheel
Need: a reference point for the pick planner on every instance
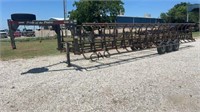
(23, 17)
(133, 48)
(106, 54)
(161, 48)
(142, 46)
(169, 46)
(176, 45)
(94, 56)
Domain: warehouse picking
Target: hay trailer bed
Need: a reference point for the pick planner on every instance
(99, 38)
(95, 37)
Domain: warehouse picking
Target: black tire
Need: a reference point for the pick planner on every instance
(176, 45)
(133, 48)
(142, 47)
(169, 46)
(23, 17)
(161, 48)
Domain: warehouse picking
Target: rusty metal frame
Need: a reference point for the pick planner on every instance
(96, 37)
(138, 36)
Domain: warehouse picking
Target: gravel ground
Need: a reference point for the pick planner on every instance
(140, 81)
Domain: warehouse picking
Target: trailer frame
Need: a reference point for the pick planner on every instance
(96, 37)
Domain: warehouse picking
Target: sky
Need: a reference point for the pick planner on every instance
(45, 9)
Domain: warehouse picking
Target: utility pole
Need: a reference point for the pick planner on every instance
(64, 8)
(187, 13)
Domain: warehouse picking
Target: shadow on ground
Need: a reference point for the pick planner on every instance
(95, 67)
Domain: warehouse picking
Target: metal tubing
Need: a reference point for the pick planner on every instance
(68, 54)
(12, 28)
(139, 35)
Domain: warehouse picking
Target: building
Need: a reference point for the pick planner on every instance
(64, 31)
(46, 31)
(192, 8)
(129, 19)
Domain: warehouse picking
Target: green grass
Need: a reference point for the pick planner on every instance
(196, 34)
(32, 47)
(29, 39)
(28, 49)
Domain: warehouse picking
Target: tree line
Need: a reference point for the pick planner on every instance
(102, 11)
(178, 14)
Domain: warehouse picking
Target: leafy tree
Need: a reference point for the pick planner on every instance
(164, 17)
(96, 11)
(194, 16)
(178, 14)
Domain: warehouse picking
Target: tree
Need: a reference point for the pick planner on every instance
(178, 14)
(96, 11)
(164, 17)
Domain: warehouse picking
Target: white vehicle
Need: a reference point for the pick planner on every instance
(3, 33)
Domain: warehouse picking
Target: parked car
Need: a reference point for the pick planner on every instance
(17, 33)
(28, 33)
(3, 34)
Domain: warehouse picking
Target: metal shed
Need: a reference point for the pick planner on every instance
(192, 8)
(129, 19)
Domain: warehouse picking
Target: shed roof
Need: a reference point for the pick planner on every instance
(55, 18)
(193, 7)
